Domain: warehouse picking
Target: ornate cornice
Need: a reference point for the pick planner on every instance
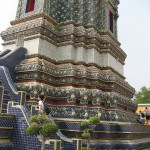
(66, 34)
(76, 63)
(103, 113)
(33, 17)
(71, 74)
(84, 95)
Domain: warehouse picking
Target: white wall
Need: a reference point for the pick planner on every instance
(69, 52)
(11, 47)
(32, 46)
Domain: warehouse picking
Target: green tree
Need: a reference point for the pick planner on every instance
(143, 96)
(41, 125)
(89, 125)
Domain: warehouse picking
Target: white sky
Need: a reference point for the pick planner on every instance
(133, 33)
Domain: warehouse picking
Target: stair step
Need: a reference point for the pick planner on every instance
(6, 97)
(5, 94)
(4, 111)
(4, 106)
(6, 100)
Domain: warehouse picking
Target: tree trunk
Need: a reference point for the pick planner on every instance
(43, 144)
(88, 144)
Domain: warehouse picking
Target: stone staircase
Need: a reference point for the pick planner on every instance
(8, 61)
(8, 92)
(6, 98)
(59, 133)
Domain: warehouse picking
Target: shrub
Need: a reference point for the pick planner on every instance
(33, 119)
(33, 129)
(41, 125)
(84, 123)
(86, 135)
(94, 120)
(49, 129)
(42, 118)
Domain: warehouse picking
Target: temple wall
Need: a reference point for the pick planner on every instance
(47, 49)
(32, 46)
(69, 52)
(66, 53)
(10, 46)
(104, 60)
(93, 56)
(81, 54)
(114, 63)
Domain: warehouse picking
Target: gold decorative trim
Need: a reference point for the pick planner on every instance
(78, 140)
(34, 106)
(6, 128)
(4, 140)
(107, 132)
(2, 98)
(13, 104)
(4, 137)
(6, 116)
(19, 106)
(69, 119)
(55, 142)
(121, 140)
(112, 132)
(21, 96)
(71, 130)
(101, 122)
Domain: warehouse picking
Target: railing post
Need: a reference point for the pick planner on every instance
(22, 96)
(1, 97)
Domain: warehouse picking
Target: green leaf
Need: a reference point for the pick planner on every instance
(42, 118)
(84, 123)
(33, 129)
(143, 96)
(86, 135)
(33, 119)
(49, 129)
(94, 120)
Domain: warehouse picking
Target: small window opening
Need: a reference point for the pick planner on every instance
(111, 21)
(30, 5)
